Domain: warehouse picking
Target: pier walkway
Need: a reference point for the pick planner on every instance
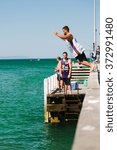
(87, 136)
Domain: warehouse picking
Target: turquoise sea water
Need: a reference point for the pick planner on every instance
(21, 108)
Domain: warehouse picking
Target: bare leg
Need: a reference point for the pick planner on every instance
(69, 88)
(61, 84)
(65, 89)
(88, 64)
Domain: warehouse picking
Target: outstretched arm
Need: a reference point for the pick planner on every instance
(63, 37)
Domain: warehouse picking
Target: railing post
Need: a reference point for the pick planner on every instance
(55, 81)
(49, 82)
(55, 78)
(46, 91)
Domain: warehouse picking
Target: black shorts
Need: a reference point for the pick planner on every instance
(81, 57)
(66, 81)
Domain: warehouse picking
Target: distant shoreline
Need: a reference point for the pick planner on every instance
(24, 58)
(13, 58)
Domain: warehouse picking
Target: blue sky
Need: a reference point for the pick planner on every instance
(27, 26)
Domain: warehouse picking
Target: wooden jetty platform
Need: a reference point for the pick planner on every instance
(60, 107)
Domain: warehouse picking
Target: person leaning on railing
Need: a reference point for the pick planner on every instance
(59, 78)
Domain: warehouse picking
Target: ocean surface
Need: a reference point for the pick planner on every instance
(22, 108)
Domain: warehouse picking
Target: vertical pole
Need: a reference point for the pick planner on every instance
(94, 43)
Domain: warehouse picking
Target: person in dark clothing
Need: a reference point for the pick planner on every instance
(65, 72)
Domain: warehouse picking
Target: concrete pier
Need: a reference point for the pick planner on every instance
(87, 136)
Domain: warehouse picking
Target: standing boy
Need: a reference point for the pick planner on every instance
(65, 72)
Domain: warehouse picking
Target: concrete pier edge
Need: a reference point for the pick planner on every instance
(87, 136)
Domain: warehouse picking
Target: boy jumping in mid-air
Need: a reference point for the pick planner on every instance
(74, 47)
